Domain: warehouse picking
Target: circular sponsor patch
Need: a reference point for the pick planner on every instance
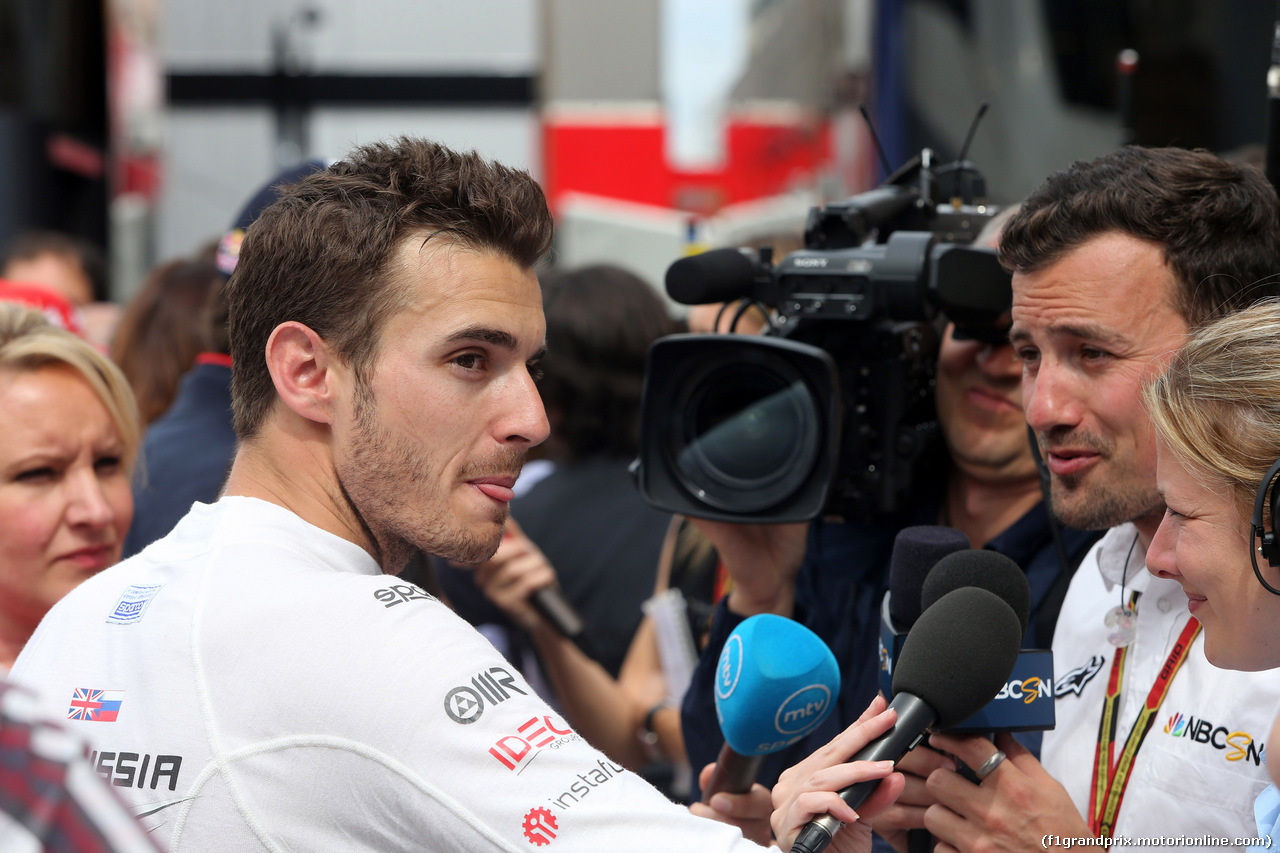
(463, 705)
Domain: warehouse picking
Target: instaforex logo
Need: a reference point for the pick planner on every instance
(1236, 745)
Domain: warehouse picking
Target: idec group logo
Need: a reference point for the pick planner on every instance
(1237, 745)
(540, 826)
(516, 751)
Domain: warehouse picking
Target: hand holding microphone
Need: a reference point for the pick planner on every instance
(519, 580)
(776, 681)
(956, 657)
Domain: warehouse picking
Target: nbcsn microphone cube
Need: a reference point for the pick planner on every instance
(776, 681)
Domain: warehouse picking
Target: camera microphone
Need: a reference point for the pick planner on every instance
(776, 681)
(956, 657)
(719, 275)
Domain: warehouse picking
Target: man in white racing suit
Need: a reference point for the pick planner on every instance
(259, 679)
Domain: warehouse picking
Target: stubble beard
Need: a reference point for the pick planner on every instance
(393, 488)
(1102, 497)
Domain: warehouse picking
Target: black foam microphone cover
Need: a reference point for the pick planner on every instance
(959, 654)
(956, 657)
(987, 570)
(916, 550)
(718, 275)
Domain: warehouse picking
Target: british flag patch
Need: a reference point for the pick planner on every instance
(99, 706)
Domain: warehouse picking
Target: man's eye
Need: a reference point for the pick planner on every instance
(469, 360)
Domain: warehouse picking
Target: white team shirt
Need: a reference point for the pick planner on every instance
(251, 682)
(1200, 766)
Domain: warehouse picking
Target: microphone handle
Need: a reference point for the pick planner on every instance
(556, 609)
(914, 716)
(734, 773)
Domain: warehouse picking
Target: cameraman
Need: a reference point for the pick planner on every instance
(832, 575)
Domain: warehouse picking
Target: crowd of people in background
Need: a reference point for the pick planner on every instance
(1114, 434)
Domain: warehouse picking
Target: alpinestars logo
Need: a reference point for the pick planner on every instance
(465, 704)
(540, 826)
(1075, 680)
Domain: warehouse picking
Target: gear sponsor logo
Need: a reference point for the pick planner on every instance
(465, 704)
(400, 593)
(540, 826)
(1075, 680)
(584, 783)
(1235, 745)
(517, 751)
(137, 770)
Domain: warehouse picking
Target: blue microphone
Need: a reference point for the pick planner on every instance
(776, 681)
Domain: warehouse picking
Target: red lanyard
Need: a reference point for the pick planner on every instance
(1109, 780)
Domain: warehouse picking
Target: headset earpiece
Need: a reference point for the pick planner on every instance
(1268, 541)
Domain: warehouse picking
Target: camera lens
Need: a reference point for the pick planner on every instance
(749, 435)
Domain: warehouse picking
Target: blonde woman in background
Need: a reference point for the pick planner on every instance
(70, 436)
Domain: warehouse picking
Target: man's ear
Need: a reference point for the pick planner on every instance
(304, 371)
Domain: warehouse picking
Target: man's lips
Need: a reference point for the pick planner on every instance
(989, 398)
(497, 488)
(1067, 462)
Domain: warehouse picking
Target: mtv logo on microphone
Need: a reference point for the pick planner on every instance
(776, 681)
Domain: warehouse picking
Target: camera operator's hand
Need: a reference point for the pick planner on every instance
(513, 574)
(762, 559)
(751, 812)
(1014, 807)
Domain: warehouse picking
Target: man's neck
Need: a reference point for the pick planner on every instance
(983, 509)
(296, 472)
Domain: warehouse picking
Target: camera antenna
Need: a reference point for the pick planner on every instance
(884, 160)
(973, 128)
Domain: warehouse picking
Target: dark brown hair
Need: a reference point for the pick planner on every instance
(601, 320)
(320, 255)
(1218, 223)
(163, 328)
